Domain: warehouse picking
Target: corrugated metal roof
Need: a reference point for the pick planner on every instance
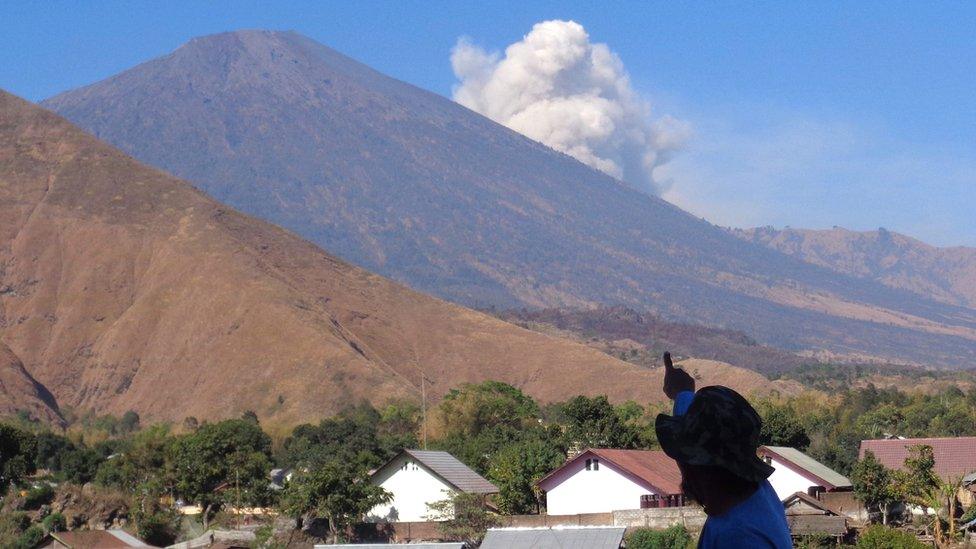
(554, 538)
(453, 471)
(954, 457)
(811, 465)
(452, 545)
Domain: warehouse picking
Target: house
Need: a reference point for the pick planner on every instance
(798, 472)
(808, 516)
(556, 537)
(90, 539)
(955, 458)
(417, 478)
(601, 480)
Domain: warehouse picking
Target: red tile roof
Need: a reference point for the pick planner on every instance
(954, 457)
(96, 539)
(652, 468)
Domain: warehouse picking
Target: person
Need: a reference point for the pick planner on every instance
(713, 435)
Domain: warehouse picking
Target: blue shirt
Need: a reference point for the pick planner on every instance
(759, 521)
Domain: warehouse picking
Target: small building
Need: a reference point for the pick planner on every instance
(90, 539)
(955, 458)
(417, 478)
(602, 480)
(798, 472)
(556, 537)
(808, 516)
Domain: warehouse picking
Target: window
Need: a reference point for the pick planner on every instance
(596, 465)
(589, 464)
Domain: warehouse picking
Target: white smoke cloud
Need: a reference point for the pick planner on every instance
(557, 87)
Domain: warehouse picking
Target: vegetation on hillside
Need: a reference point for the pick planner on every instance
(495, 428)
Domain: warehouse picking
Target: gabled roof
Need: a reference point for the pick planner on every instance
(651, 468)
(449, 469)
(954, 457)
(580, 537)
(803, 498)
(807, 466)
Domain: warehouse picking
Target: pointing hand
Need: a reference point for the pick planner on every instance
(676, 380)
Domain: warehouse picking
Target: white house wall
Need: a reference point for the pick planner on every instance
(599, 491)
(413, 488)
(787, 482)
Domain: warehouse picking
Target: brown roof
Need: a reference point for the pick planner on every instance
(818, 506)
(96, 539)
(652, 468)
(954, 457)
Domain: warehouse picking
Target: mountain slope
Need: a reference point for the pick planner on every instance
(19, 392)
(125, 288)
(411, 185)
(896, 260)
(641, 338)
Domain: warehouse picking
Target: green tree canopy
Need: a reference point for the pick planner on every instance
(18, 455)
(338, 491)
(222, 462)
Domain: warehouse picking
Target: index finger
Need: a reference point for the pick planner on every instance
(667, 361)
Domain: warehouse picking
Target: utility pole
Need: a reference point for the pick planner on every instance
(237, 485)
(423, 404)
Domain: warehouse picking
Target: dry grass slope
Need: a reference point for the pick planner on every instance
(125, 288)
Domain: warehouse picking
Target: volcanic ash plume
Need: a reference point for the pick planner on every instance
(556, 87)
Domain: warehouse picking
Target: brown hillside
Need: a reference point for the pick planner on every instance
(125, 288)
(20, 393)
(896, 260)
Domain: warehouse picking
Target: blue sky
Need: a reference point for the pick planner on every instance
(803, 114)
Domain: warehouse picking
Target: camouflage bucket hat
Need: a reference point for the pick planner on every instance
(720, 428)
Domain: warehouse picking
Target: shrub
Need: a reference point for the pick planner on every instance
(54, 523)
(882, 537)
(30, 538)
(969, 515)
(12, 525)
(40, 495)
(675, 537)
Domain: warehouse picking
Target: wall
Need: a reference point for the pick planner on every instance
(787, 482)
(599, 491)
(693, 518)
(845, 503)
(412, 486)
(659, 518)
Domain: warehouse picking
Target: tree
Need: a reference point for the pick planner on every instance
(782, 427)
(516, 469)
(221, 463)
(873, 485)
(592, 422)
(18, 455)
(129, 422)
(475, 421)
(467, 517)
(340, 492)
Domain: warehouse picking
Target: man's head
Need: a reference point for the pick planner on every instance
(715, 443)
